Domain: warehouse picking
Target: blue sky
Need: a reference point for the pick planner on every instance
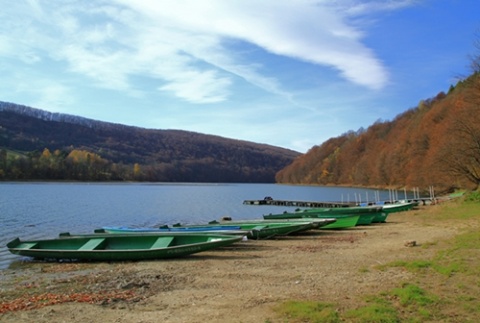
(282, 72)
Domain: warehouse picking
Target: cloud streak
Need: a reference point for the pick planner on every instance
(184, 45)
(309, 31)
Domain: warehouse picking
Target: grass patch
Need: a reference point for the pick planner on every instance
(473, 197)
(464, 209)
(377, 310)
(414, 265)
(446, 286)
(408, 303)
(300, 311)
(412, 295)
(462, 257)
(457, 258)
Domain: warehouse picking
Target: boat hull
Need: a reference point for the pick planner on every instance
(399, 207)
(224, 230)
(119, 247)
(342, 221)
(316, 222)
(366, 214)
(264, 230)
(380, 217)
(366, 219)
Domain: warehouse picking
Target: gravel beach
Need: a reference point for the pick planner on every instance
(240, 283)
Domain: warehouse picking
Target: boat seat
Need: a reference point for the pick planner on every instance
(92, 244)
(162, 242)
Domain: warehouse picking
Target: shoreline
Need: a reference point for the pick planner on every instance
(240, 283)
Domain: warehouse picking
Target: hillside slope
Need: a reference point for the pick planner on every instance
(435, 144)
(123, 153)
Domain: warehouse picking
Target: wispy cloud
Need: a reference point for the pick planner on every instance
(361, 7)
(183, 45)
(310, 31)
(198, 87)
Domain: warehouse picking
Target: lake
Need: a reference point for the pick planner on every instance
(43, 210)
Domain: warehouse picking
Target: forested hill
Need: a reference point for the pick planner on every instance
(36, 144)
(436, 143)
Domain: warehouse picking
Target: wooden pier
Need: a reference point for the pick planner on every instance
(297, 203)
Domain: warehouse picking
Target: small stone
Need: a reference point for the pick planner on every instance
(410, 243)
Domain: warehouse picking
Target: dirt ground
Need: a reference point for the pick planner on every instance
(241, 283)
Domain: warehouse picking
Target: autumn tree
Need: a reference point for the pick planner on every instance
(137, 171)
(85, 165)
(461, 155)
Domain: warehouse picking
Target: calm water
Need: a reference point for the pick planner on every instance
(43, 210)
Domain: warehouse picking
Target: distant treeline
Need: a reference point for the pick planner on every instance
(435, 144)
(86, 166)
(38, 145)
(60, 165)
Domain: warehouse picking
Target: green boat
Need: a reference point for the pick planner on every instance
(367, 214)
(398, 207)
(345, 210)
(380, 217)
(316, 222)
(261, 230)
(342, 221)
(366, 219)
(112, 247)
(224, 230)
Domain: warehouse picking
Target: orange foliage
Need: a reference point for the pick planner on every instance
(419, 148)
(82, 156)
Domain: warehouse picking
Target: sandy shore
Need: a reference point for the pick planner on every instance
(241, 283)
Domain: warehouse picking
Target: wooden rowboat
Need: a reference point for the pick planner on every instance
(264, 230)
(366, 214)
(380, 217)
(224, 230)
(398, 207)
(120, 247)
(315, 222)
(343, 222)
